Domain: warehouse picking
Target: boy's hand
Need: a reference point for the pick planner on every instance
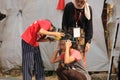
(68, 44)
(59, 34)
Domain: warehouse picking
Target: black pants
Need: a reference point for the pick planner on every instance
(31, 60)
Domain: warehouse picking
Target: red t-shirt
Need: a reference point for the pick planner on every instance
(31, 33)
(74, 53)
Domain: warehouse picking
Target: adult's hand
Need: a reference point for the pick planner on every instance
(59, 34)
(87, 47)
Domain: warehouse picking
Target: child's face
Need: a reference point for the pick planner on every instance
(62, 45)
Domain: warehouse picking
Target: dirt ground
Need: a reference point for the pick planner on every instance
(94, 77)
(7, 77)
(51, 78)
(47, 78)
(16, 75)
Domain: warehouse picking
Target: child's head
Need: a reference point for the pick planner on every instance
(63, 41)
(52, 28)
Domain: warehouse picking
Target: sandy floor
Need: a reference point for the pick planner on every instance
(47, 78)
(20, 78)
(51, 78)
(94, 77)
(97, 76)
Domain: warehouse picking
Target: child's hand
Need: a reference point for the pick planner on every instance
(68, 43)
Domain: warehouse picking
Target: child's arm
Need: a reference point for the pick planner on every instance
(43, 40)
(47, 39)
(54, 57)
(44, 32)
(68, 59)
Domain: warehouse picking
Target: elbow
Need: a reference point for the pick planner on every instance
(41, 31)
(66, 62)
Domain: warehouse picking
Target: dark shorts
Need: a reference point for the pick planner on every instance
(69, 74)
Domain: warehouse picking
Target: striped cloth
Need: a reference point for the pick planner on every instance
(32, 61)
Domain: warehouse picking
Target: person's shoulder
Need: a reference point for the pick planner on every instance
(69, 4)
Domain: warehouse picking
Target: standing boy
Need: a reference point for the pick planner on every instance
(31, 56)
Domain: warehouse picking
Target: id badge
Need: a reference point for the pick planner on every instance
(76, 32)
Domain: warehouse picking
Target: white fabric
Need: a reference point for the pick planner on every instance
(109, 1)
(117, 46)
(113, 26)
(97, 56)
(116, 16)
(16, 23)
(47, 52)
(116, 6)
(118, 38)
(87, 11)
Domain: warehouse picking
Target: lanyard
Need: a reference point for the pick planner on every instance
(80, 14)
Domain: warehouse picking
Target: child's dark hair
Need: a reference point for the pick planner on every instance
(66, 37)
(54, 28)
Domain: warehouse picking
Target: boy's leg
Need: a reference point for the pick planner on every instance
(27, 61)
(39, 68)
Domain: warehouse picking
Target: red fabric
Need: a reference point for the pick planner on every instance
(74, 53)
(30, 34)
(61, 5)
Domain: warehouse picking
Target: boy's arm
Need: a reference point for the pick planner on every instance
(44, 32)
(43, 40)
(48, 39)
